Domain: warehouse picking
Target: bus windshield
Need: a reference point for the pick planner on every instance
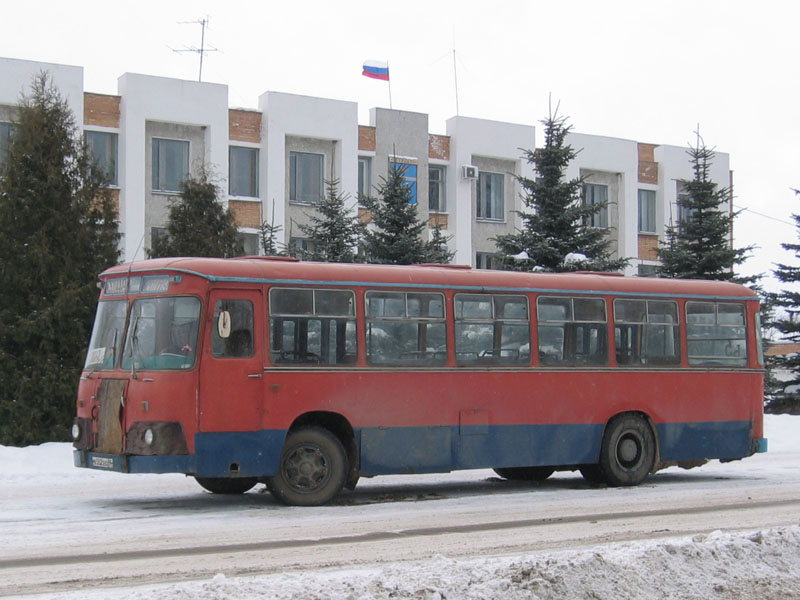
(106, 342)
(162, 333)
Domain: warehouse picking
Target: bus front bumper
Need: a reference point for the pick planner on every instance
(126, 463)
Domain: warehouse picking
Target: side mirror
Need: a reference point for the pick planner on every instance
(224, 324)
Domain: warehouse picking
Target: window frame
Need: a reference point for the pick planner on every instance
(410, 174)
(89, 136)
(716, 328)
(437, 188)
(159, 179)
(346, 326)
(598, 220)
(252, 174)
(438, 358)
(497, 323)
(494, 209)
(648, 360)
(364, 177)
(297, 183)
(647, 211)
(571, 327)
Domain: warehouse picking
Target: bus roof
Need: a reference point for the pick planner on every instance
(461, 278)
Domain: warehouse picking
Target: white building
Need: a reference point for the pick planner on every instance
(274, 162)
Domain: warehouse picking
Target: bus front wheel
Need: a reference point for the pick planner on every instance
(627, 454)
(313, 468)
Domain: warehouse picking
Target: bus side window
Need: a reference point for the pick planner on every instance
(716, 334)
(572, 331)
(646, 332)
(239, 344)
(492, 329)
(311, 327)
(405, 329)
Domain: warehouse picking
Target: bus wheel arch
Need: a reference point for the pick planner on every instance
(629, 449)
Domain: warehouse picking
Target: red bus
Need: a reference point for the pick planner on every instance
(307, 376)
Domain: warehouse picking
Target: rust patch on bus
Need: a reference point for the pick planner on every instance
(109, 419)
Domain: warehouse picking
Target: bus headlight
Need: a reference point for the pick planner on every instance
(76, 432)
(149, 437)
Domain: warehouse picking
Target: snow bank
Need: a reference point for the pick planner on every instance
(721, 566)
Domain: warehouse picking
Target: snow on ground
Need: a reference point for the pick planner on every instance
(730, 565)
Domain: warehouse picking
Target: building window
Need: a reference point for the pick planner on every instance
(103, 148)
(484, 260)
(6, 132)
(249, 242)
(644, 270)
(596, 194)
(436, 189)
(647, 211)
(243, 171)
(364, 177)
(409, 172)
(490, 196)
(305, 177)
(170, 164)
(300, 247)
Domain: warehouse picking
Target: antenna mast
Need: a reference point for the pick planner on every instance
(202, 50)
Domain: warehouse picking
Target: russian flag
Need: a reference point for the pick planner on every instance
(376, 69)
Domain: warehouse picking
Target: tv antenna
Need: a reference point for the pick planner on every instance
(202, 50)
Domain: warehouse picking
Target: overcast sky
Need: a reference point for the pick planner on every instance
(639, 70)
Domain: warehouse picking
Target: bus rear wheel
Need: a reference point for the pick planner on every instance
(524, 473)
(627, 454)
(313, 468)
(226, 485)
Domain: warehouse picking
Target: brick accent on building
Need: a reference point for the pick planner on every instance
(364, 215)
(244, 125)
(101, 110)
(439, 146)
(366, 138)
(648, 247)
(437, 220)
(648, 167)
(247, 214)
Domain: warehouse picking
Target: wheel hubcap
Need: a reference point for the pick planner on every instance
(628, 451)
(306, 468)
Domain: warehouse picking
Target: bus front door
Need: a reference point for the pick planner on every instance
(232, 368)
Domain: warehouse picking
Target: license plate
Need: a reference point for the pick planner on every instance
(102, 462)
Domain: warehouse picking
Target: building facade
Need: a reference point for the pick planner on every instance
(274, 162)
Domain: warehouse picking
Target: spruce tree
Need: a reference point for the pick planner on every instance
(397, 236)
(57, 232)
(788, 299)
(268, 232)
(555, 221)
(336, 232)
(699, 245)
(198, 225)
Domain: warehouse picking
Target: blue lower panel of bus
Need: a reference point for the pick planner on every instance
(690, 441)
(436, 449)
(430, 449)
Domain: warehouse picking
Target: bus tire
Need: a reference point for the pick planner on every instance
(524, 473)
(226, 485)
(627, 454)
(312, 470)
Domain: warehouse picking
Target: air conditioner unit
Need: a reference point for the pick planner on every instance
(469, 171)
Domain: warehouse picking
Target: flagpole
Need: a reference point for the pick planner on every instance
(390, 85)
